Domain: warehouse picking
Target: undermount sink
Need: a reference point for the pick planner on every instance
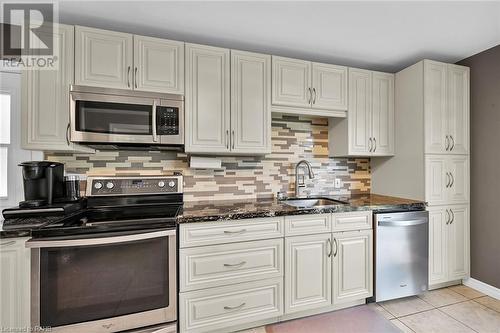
(312, 202)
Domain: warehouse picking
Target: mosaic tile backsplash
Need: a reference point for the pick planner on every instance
(293, 138)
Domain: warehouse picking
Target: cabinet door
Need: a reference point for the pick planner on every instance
(14, 283)
(352, 266)
(103, 58)
(458, 109)
(329, 83)
(458, 242)
(359, 114)
(435, 96)
(250, 102)
(458, 168)
(207, 99)
(438, 248)
(158, 65)
(437, 179)
(383, 113)
(308, 275)
(291, 83)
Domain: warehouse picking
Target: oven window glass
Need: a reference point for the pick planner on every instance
(86, 283)
(113, 118)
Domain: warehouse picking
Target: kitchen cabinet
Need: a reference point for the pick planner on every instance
(45, 98)
(368, 129)
(352, 266)
(112, 59)
(308, 275)
(229, 91)
(446, 104)
(446, 179)
(449, 234)
(308, 88)
(14, 283)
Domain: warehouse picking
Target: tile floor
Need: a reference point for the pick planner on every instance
(454, 309)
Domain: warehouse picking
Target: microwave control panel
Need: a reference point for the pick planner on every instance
(167, 120)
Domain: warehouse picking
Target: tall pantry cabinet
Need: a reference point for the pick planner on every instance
(431, 161)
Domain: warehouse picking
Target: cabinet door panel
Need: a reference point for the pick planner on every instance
(458, 243)
(250, 102)
(103, 58)
(383, 113)
(359, 114)
(435, 101)
(352, 266)
(458, 109)
(438, 248)
(207, 99)
(436, 179)
(291, 82)
(330, 87)
(458, 167)
(158, 65)
(308, 276)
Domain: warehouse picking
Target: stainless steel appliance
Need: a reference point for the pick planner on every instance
(401, 254)
(112, 266)
(113, 118)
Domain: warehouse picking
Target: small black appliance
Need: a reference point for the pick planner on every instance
(43, 183)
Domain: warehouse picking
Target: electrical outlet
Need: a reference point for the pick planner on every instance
(338, 183)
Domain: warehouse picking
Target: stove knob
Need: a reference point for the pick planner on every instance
(171, 183)
(161, 183)
(110, 185)
(98, 185)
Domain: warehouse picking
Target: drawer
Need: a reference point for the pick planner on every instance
(210, 233)
(216, 309)
(307, 224)
(352, 221)
(220, 265)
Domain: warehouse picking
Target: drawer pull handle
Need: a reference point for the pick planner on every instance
(235, 265)
(235, 307)
(235, 232)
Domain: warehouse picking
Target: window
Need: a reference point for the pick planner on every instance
(5, 109)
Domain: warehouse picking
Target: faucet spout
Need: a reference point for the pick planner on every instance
(310, 173)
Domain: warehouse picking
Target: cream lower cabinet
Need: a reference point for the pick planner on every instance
(14, 284)
(449, 234)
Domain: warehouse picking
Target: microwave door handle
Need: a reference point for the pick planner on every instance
(153, 122)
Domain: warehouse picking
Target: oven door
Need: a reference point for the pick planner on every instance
(105, 283)
(102, 118)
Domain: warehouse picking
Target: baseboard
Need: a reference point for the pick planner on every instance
(482, 287)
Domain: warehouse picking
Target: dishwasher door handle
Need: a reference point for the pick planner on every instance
(401, 223)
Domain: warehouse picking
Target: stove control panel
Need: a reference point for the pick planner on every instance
(102, 186)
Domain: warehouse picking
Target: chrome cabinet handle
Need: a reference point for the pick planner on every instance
(128, 76)
(370, 145)
(232, 139)
(227, 139)
(235, 265)
(7, 243)
(67, 134)
(452, 216)
(235, 232)
(330, 248)
(135, 78)
(447, 217)
(452, 143)
(336, 247)
(447, 141)
(310, 96)
(447, 180)
(375, 140)
(452, 180)
(153, 122)
(235, 307)
(314, 91)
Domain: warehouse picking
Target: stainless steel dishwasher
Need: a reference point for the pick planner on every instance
(401, 254)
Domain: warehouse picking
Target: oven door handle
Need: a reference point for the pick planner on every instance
(37, 243)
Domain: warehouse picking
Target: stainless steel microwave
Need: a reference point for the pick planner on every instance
(103, 117)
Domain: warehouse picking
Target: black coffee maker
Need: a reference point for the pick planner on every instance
(43, 183)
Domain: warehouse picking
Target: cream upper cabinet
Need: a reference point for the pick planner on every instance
(14, 283)
(446, 179)
(207, 99)
(250, 102)
(308, 272)
(303, 87)
(158, 65)
(458, 109)
(360, 111)
(446, 105)
(291, 82)
(352, 266)
(382, 113)
(103, 58)
(45, 98)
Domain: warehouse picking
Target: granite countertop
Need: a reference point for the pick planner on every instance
(252, 208)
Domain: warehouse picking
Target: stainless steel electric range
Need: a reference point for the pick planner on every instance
(111, 266)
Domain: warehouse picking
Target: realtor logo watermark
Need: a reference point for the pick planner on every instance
(27, 33)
